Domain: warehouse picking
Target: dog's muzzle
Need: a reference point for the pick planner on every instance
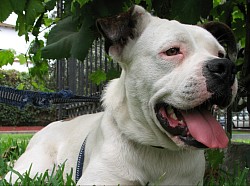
(197, 126)
(220, 77)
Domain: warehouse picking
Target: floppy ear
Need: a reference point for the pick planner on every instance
(117, 30)
(225, 37)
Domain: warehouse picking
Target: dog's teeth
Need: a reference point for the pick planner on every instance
(181, 122)
(174, 116)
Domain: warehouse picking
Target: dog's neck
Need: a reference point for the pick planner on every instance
(114, 94)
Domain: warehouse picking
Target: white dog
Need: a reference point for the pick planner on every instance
(156, 120)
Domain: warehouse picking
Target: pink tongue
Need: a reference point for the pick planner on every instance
(205, 129)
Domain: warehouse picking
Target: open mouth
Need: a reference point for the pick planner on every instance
(195, 127)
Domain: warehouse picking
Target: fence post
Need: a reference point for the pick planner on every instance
(60, 66)
(72, 74)
(247, 52)
(229, 122)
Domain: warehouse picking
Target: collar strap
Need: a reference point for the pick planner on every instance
(80, 161)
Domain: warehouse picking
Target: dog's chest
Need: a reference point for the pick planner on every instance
(171, 168)
(156, 166)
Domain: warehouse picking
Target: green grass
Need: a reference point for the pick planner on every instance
(240, 132)
(5, 137)
(247, 141)
(13, 145)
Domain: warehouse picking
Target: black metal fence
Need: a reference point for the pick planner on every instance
(75, 75)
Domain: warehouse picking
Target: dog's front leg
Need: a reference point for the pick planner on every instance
(38, 159)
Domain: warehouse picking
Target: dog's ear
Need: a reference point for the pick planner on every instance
(225, 37)
(117, 30)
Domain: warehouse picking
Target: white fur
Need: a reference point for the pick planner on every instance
(120, 139)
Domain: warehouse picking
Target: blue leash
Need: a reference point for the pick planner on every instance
(20, 98)
(80, 161)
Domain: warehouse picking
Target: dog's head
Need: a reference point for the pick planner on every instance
(172, 76)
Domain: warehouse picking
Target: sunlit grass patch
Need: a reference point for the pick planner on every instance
(247, 141)
(11, 148)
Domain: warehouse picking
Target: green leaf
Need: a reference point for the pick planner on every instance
(66, 40)
(239, 62)
(47, 21)
(37, 56)
(20, 86)
(37, 26)
(6, 57)
(40, 68)
(162, 8)
(5, 10)
(239, 28)
(20, 24)
(82, 2)
(104, 8)
(33, 10)
(113, 73)
(216, 3)
(60, 39)
(35, 46)
(18, 6)
(50, 4)
(237, 14)
(222, 11)
(98, 77)
(22, 59)
(35, 85)
(85, 38)
(149, 4)
(190, 11)
(137, 1)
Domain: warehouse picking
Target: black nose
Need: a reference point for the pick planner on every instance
(221, 69)
(220, 76)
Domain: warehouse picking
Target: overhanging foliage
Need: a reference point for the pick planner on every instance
(73, 35)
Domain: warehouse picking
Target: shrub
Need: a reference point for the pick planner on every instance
(28, 116)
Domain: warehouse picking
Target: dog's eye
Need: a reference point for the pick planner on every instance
(221, 55)
(173, 51)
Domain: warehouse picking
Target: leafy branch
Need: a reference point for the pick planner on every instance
(73, 31)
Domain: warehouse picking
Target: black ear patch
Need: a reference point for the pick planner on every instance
(225, 37)
(117, 29)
